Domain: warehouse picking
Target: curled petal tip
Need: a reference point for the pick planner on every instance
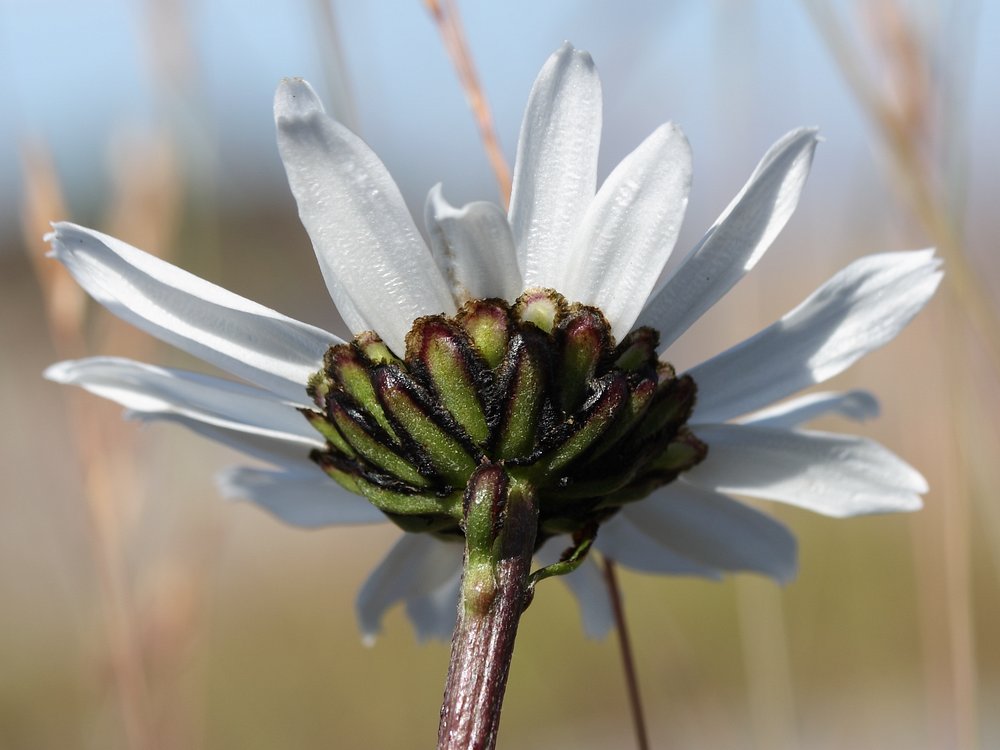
(567, 52)
(51, 236)
(294, 99)
(795, 143)
(58, 231)
(58, 372)
(673, 128)
(437, 204)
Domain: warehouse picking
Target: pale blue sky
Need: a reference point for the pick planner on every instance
(735, 75)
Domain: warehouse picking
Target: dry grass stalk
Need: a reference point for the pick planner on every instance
(145, 208)
(97, 453)
(65, 302)
(908, 118)
(449, 24)
(903, 113)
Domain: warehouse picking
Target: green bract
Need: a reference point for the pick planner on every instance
(538, 387)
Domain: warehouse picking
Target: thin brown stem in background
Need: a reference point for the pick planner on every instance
(449, 24)
(628, 659)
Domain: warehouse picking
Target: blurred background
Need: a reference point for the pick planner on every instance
(139, 610)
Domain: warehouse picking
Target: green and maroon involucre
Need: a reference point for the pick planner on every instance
(538, 387)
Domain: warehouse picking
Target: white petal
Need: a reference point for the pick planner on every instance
(737, 240)
(300, 497)
(274, 449)
(588, 586)
(434, 614)
(150, 390)
(378, 270)
(836, 475)
(555, 173)
(858, 310)
(222, 328)
(856, 405)
(715, 530)
(630, 229)
(630, 544)
(474, 248)
(416, 566)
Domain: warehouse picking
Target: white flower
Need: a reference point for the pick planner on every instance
(604, 247)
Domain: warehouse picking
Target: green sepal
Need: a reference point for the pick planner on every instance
(328, 430)
(672, 405)
(487, 323)
(366, 440)
(640, 398)
(544, 308)
(399, 396)
(584, 336)
(583, 489)
(424, 504)
(637, 349)
(682, 453)
(523, 384)
(427, 509)
(375, 349)
(577, 489)
(442, 353)
(593, 420)
(345, 476)
(319, 385)
(410, 511)
(348, 366)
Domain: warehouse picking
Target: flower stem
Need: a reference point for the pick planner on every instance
(501, 521)
(628, 660)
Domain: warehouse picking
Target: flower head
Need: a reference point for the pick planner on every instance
(530, 338)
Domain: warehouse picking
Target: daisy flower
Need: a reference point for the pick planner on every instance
(531, 339)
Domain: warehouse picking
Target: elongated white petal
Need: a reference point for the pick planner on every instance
(434, 614)
(241, 417)
(715, 530)
(737, 240)
(376, 266)
(157, 390)
(555, 172)
(630, 229)
(300, 497)
(858, 310)
(273, 448)
(416, 566)
(630, 544)
(856, 405)
(474, 247)
(587, 585)
(222, 328)
(836, 475)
